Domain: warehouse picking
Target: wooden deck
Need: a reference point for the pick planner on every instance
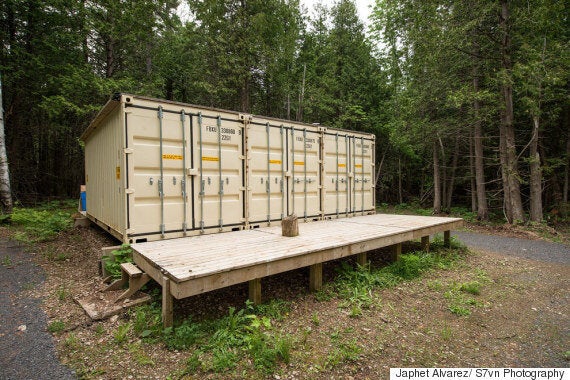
(194, 265)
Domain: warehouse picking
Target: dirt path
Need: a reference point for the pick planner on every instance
(27, 350)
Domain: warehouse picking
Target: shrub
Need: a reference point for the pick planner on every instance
(113, 261)
(40, 225)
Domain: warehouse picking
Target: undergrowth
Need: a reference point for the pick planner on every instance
(113, 261)
(354, 286)
(219, 344)
(42, 223)
(251, 334)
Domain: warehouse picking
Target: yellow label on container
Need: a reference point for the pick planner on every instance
(275, 162)
(358, 166)
(301, 163)
(342, 165)
(118, 172)
(207, 158)
(172, 156)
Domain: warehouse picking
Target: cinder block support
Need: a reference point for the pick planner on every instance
(361, 258)
(396, 251)
(316, 277)
(447, 239)
(167, 304)
(425, 243)
(255, 291)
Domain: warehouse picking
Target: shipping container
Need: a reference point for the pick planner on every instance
(156, 169)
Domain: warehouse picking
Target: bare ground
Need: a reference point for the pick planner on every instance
(520, 318)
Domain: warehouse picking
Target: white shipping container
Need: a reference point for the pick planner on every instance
(157, 169)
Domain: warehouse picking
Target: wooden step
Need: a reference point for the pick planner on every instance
(131, 269)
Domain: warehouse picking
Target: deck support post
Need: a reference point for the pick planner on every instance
(361, 258)
(316, 277)
(447, 238)
(396, 251)
(167, 304)
(425, 243)
(255, 291)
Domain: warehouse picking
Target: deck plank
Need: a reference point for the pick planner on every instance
(192, 258)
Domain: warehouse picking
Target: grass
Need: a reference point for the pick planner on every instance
(343, 351)
(62, 293)
(56, 327)
(138, 354)
(122, 333)
(220, 343)
(315, 319)
(71, 342)
(42, 223)
(99, 329)
(472, 287)
(355, 286)
(7, 261)
(460, 303)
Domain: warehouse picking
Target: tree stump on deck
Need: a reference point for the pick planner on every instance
(290, 226)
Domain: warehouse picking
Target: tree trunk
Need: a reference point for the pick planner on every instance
(436, 182)
(302, 95)
(567, 171)
(244, 95)
(400, 197)
(472, 175)
(510, 168)
(442, 176)
(110, 57)
(379, 171)
(482, 209)
(5, 189)
(507, 209)
(535, 175)
(451, 186)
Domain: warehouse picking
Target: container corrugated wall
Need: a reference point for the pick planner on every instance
(106, 172)
(158, 169)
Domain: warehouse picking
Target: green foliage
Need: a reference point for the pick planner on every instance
(121, 335)
(181, 337)
(275, 309)
(219, 343)
(147, 322)
(40, 224)
(471, 287)
(459, 303)
(355, 286)
(62, 293)
(315, 319)
(7, 261)
(56, 327)
(117, 257)
(71, 342)
(223, 359)
(343, 352)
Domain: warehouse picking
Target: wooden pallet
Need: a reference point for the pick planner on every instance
(194, 265)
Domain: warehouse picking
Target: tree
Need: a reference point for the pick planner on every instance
(5, 190)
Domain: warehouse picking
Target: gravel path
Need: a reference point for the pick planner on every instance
(26, 349)
(529, 249)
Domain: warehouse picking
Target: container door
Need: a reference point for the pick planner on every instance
(304, 164)
(267, 167)
(218, 201)
(362, 175)
(158, 171)
(336, 182)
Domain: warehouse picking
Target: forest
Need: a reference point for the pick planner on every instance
(468, 98)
